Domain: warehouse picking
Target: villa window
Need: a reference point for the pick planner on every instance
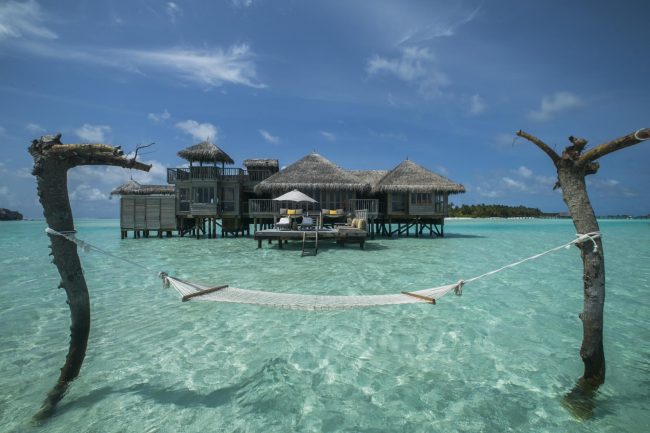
(422, 199)
(228, 201)
(183, 199)
(203, 194)
(440, 202)
(398, 202)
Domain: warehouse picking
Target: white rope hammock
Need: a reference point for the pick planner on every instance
(299, 301)
(193, 291)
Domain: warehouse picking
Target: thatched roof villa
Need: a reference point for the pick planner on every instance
(312, 173)
(406, 196)
(146, 207)
(205, 152)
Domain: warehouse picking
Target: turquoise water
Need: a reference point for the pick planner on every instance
(499, 358)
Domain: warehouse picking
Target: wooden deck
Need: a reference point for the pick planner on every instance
(342, 236)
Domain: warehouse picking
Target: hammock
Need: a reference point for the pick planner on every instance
(223, 293)
(303, 302)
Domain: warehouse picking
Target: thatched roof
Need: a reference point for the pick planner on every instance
(411, 177)
(312, 172)
(134, 188)
(205, 151)
(261, 163)
(370, 177)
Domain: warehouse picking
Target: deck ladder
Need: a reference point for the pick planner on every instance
(309, 236)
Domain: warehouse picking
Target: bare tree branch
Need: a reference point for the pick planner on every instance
(616, 144)
(142, 146)
(94, 154)
(539, 143)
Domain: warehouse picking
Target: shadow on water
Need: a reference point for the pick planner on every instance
(327, 246)
(585, 403)
(463, 236)
(272, 377)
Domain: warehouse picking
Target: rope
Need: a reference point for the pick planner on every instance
(636, 135)
(315, 302)
(592, 236)
(87, 248)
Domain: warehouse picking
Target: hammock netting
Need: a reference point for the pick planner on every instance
(305, 302)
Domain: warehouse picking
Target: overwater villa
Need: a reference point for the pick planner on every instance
(206, 195)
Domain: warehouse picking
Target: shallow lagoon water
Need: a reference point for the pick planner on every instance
(498, 358)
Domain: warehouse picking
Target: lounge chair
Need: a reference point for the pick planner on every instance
(307, 223)
(283, 224)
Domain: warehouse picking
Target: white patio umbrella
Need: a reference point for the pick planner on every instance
(295, 196)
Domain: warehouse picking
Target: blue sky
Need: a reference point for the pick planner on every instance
(364, 83)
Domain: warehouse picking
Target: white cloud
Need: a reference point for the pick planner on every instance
(522, 180)
(266, 135)
(439, 27)
(476, 105)
(211, 68)
(556, 103)
(86, 192)
(610, 188)
(524, 171)
(487, 192)
(34, 128)
(24, 173)
(200, 131)
(503, 140)
(414, 66)
(23, 19)
(159, 117)
(93, 133)
(242, 3)
(328, 135)
(173, 10)
(514, 184)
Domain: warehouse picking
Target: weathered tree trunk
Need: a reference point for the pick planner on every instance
(572, 168)
(52, 160)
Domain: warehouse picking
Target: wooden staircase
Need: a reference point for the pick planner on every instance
(309, 239)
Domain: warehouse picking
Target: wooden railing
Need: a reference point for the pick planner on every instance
(371, 205)
(214, 173)
(258, 175)
(203, 208)
(263, 207)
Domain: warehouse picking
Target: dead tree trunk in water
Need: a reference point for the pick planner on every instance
(572, 168)
(52, 160)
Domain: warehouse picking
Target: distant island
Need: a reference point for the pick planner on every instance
(494, 211)
(10, 215)
(503, 211)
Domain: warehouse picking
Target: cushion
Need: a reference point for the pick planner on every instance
(332, 212)
(291, 212)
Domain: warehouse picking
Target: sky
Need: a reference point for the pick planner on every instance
(366, 84)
